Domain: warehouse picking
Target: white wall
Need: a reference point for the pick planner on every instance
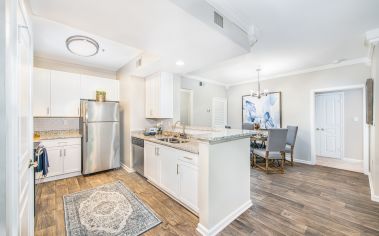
(132, 104)
(353, 130)
(296, 92)
(374, 130)
(72, 68)
(202, 100)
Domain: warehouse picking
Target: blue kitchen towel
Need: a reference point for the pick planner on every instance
(43, 161)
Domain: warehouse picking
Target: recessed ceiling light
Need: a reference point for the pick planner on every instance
(82, 46)
(179, 63)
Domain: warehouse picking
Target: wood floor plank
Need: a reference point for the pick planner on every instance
(306, 200)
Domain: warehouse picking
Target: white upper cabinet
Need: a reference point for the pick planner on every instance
(91, 84)
(41, 92)
(65, 94)
(159, 94)
(58, 93)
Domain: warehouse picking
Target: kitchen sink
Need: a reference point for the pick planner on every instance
(173, 140)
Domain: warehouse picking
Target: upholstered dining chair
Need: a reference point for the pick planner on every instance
(291, 139)
(275, 150)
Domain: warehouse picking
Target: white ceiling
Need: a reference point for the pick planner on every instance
(295, 35)
(50, 38)
(156, 27)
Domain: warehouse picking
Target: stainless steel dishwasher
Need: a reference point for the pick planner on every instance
(138, 155)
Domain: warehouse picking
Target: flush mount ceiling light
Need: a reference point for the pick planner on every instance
(180, 63)
(82, 46)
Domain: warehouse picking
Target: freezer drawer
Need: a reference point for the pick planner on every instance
(101, 146)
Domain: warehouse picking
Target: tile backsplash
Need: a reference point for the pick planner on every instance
(47, 124)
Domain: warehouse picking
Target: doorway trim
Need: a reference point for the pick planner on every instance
(365, 126)
(190, 91)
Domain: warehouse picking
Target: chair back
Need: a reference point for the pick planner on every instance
(276, 141)
(291, 135)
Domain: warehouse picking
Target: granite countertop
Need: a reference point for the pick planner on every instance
(192, 146)
(56, 134)
(224, 135)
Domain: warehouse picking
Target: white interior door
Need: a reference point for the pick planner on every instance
(219, 112)
(329, 124)
(25, 127)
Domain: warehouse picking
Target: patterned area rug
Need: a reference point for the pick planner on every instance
(111, 209)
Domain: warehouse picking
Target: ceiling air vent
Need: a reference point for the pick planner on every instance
(218, 19)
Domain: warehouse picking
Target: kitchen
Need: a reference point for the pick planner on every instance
(154, 118)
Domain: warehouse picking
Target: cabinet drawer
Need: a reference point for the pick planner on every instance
(188, 157)
(61, 142)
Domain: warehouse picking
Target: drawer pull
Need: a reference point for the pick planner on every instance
(188, 158)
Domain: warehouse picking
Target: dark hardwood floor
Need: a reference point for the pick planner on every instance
(306, 200)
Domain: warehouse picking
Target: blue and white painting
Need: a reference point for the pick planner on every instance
(265, 111)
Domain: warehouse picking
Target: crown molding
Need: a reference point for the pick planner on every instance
(356, 61)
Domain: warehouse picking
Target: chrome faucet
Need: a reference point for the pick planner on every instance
(174, 126)
(183, 134)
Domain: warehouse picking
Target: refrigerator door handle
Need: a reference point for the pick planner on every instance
(86, 134)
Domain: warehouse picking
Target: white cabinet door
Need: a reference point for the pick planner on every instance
(159, 95)
(65, 94)
(166, 95)
(169, 169)
(55, 155)
(188, 184)
(72, 159)
(151, 162)
(41, 92)
(91, 84)
(150, 96)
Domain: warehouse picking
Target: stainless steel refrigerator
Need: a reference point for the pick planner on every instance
(100, 129)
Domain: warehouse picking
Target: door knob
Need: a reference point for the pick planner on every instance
(317, 129)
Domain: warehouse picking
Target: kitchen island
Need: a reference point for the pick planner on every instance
(209, 174)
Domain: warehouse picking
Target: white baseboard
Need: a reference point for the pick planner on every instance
(224, 222)
(374, 197)
(300, 161)
(40, 180)
(352, 160)
(128, 169)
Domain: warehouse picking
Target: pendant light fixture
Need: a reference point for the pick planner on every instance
(258, 93)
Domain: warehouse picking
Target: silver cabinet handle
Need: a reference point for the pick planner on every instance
(64, 152)
(317, 129)
(157, 151)
(60, 152)
(188, 158)
(177, 168)
(47, 111)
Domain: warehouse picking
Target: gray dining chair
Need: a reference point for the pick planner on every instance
(275, 150)
(291, 139)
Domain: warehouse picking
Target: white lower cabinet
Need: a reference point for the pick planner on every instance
(65, 158)
(169, 170)
(72, 161)
(55, 161)
(174, 171)
(188, 184)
